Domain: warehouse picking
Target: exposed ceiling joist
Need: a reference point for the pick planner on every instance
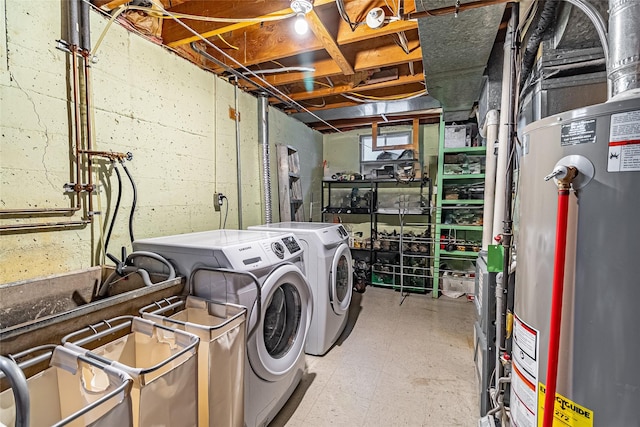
(367, 66)
(345, 88)
(328, 42)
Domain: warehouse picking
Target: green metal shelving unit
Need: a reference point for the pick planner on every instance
(442, 229)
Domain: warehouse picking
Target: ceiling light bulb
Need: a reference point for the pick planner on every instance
(301, 25)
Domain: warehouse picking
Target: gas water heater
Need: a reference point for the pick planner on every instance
(598, 381)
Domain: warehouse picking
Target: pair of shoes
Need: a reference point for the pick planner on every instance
(359, 288)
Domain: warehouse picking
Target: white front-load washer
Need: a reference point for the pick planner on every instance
(329, 268)
(238, 266)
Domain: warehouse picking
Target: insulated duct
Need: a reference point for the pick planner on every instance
(263, 139)
(624, 42)
(543, 25)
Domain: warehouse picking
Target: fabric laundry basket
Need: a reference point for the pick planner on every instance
(72, 390)
(221, 354)
(162, 362)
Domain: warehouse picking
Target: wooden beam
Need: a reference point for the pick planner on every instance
(328, 42)
(223, 30)
(112, 4)
(324, 68)
(374, 135)
(386, 56)
(367, 121)
(363, 33)
(337, 90)
(218, 29)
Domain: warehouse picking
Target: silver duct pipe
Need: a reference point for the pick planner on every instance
(624, 36)
(238, 162)
(263, 138)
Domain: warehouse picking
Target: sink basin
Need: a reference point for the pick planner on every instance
(43, 310)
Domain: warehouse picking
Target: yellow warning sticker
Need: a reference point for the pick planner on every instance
(566, 412)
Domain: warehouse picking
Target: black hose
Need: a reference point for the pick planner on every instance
(115, 209)
(542, 25)
(133, 203)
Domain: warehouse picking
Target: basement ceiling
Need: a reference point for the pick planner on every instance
(342, 74)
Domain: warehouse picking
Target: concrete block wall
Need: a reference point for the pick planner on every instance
(173, 117)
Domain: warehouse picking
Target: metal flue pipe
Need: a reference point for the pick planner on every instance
(263, 139)
(238, 157)
(624, 60)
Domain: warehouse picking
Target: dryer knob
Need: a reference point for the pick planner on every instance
(278, 249)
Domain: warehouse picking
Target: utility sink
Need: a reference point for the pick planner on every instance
(43, 310)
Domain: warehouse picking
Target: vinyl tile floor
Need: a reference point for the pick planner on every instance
(394, 365)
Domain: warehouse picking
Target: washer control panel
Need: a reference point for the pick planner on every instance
(292, 244)
(278, 249)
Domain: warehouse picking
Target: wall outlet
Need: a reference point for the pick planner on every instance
(217, 200)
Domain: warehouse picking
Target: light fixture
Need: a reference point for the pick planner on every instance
(301, 25)
(301, 8)
(375, 18)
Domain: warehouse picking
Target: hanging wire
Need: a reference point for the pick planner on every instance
(265, 84)
(227, 43)
(272, 90)
(364, 98)
(345, 16)
(158, 14)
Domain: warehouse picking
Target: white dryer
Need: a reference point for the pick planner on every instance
(329, 269)
(237, 266)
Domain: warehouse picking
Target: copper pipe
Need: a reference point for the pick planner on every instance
(89, 135)
(111, 155)
(452, 9)
(5, 212)
(41, 225)
(76, 121)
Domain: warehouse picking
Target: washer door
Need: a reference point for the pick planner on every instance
(278, 342)
(341, 280)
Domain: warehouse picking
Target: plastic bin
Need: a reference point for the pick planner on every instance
(71, 390)
(162, 362)
(221, 353)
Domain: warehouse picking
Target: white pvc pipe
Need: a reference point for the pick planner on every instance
(503, 138)
(490, 129)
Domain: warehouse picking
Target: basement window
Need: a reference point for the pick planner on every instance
(388, 146)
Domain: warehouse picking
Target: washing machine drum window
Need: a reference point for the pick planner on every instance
(282, 320)
(343, 278)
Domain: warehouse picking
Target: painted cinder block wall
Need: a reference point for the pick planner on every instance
(173, 117)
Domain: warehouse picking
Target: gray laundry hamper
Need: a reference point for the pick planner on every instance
(71, 390)
(221, 328)
(162, 362)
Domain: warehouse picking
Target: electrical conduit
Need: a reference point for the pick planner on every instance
(565, 177)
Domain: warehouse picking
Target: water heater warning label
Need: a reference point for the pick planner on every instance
(524, 381)
(624, 142)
